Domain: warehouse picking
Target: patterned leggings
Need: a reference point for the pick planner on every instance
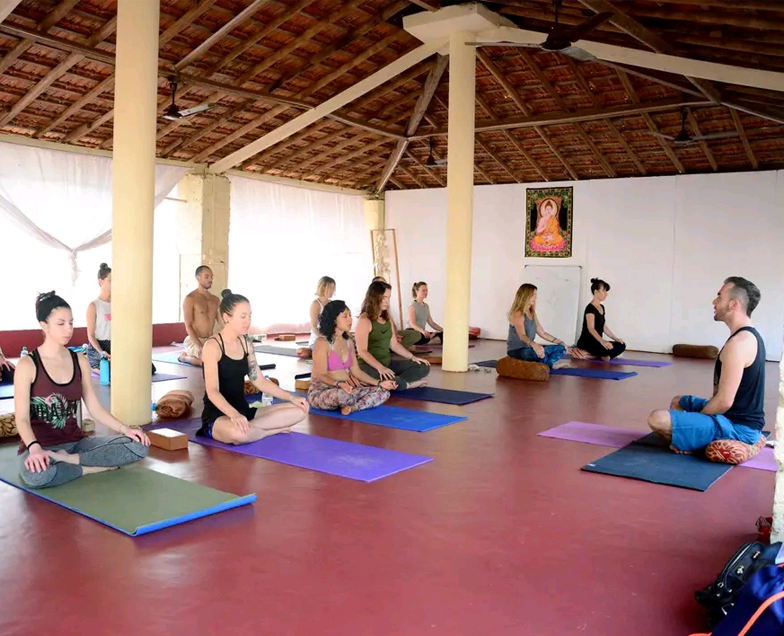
(330, 398)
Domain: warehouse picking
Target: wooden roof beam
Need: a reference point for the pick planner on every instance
(431, 172)
(7, 8)
(515, 97)
(352, 155)
(410, 175)
(428, 91)
(703, 145)
(498, 159)
(745, 139)
(258, 160)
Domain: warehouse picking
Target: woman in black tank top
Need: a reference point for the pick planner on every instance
(227, 359)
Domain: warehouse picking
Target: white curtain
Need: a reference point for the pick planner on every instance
(283, 239)
(55, 223)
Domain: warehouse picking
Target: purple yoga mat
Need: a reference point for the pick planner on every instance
(619, 437)
(630, 362)
(594, 434)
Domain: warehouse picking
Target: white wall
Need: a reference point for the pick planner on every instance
(664, 244)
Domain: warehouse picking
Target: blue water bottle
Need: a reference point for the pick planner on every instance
(105, 373)
(24, 352)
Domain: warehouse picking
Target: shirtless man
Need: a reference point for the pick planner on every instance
(735, 412)
(200, 311)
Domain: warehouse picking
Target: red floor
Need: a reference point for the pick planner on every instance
(501, 535)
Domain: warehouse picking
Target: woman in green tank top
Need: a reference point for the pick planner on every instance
(376, 341)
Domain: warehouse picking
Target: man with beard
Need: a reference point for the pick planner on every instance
(200, 311)
(735, 412)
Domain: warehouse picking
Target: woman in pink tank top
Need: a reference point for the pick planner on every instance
(337, 382)
(49, 385)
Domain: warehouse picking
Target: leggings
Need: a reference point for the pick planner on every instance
(94, 358)
(413, 337)
(330, 398)
(107, 452)
(405, 372)
(595, 349)
(552, 354)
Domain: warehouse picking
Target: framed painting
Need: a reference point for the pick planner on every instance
(549, 222)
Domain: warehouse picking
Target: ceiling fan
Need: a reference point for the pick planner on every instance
(562, 39)
(431, 161)
(173, 113)
(684, 138)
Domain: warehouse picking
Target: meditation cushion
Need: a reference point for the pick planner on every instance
(521, 370)
(250, 388)
(174, 404)
(8, 425)
(706, 352)
(286, 337)
(304, 352)
(730, 451)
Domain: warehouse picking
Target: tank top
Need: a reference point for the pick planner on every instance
(421, 312)
(231, 383)
(314, 334)
(378, 341)
(748, 407)
(103, 319)
(513, 341)
(53, 406)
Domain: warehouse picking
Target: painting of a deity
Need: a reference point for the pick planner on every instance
(549, 222)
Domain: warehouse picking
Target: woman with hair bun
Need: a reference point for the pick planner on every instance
(99, 321)
(228, 357)
(592, 340)
(337, 382)
(49, 385)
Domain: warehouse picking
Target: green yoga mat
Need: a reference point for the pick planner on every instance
(133, 500)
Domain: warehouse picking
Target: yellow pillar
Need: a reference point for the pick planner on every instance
(133, 174)
(374, 214)
(460, 192)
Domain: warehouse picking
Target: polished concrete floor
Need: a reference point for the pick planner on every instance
(501, 535)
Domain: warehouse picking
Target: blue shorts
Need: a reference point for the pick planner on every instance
(693, 430)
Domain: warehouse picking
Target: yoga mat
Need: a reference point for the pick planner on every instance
(443, 396)
(157, 377)
(6, 390)
(433, 346)
(133, 500)
(277, 351)
(302, 343)
(650, 459)
(594, 373)
(619, 437)
(172, 357)
(491, 364)
(331, 456)
(631, 362)
(394, 417)
(594, 434)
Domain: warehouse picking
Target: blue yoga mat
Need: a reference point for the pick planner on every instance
(331, 456)
(442, 396)
(172, 357)
(6, 390)
(650, 459)
(156, 377)
(394, 417)
(594, 373)
(490, 364)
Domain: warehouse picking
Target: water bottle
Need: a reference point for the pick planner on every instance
(105, 372)
(24, 352)
(266, 399)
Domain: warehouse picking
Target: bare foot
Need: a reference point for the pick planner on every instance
(346, 410)
(62, 456)
(418, 383)
(196, 362)
(605, 358)
(561, 364)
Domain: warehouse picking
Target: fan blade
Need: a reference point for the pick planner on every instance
(756, 78)
(196, 109)
(581, 30)
(727, 135)
(659, 135)
(578, 54)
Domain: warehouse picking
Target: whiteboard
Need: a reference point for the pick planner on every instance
(557, 298)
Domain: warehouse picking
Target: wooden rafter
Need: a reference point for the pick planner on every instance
(703, 145)
(498, 159)
(515, 97)
(649, 121)
(352, 155)
(411, 175)
(745, 139)
(531, 63)
(428, 91)
(433, 174)
(292, 141)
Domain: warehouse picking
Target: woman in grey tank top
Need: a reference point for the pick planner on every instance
(419, 318)
(523, 329)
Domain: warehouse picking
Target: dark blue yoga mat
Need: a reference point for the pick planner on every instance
(6, 390)
(442, 396)
(490, 364)
(394, 417)
(594, 373)
(650, 459)
(172, 357)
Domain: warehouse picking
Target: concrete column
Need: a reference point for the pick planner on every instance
(133, 174)
(203, 229)
(460, 192)
(374, 214)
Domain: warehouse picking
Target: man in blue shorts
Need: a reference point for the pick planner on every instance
(735, 412)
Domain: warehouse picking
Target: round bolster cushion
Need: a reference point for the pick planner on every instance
(521, 370)
(706, 352)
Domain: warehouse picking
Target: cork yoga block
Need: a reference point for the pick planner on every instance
(8, 425)
(706, 352)
(520, 370)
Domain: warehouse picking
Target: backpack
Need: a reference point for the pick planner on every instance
(719, 597)
(758, 608)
